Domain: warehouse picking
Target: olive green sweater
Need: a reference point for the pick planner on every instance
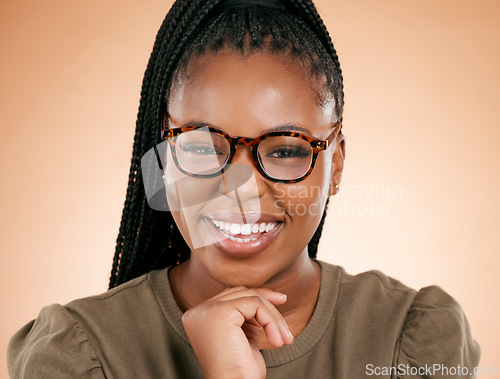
(362, 326)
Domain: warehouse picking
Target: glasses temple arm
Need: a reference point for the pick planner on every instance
(333, 134)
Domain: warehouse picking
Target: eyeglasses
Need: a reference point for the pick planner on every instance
(282, 156)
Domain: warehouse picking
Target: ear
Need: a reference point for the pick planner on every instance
(337, 164)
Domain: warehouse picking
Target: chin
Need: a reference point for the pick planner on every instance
(249, 277)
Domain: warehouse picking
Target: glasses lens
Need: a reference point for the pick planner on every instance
(201, 152)
(285, 158)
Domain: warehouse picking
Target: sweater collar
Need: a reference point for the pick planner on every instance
(320, 320)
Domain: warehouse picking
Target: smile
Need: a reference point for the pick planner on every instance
(244, 232)
(242, 240)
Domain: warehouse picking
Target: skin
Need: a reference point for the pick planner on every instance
(242, 298)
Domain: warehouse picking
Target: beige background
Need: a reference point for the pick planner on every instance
(419, 199)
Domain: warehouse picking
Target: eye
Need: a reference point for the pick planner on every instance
(288, 151)
(200, 149)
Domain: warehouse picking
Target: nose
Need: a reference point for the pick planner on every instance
(241, 180)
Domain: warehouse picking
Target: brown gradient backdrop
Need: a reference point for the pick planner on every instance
(421, 119)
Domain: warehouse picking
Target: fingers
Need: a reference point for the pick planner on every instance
(267, 317)
(257, 304)
(259, 311)
(227, 291)
(277, 298)
(237, 316)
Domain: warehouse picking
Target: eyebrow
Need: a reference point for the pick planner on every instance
(279, 128)
(287, 128)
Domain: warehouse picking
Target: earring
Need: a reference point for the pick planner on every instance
(337, 186)
(170, 243)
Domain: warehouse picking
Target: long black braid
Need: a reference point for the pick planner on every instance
(149, 239)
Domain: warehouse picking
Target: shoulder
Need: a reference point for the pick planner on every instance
(369, 288)
(68, 341)
(436, 335)
(370, 310)
(390, 319)
(52, 346)
(135, 291)
(125, 316)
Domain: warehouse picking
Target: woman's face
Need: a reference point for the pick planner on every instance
(244, 229)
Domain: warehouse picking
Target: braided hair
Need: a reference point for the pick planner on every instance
(150, 239)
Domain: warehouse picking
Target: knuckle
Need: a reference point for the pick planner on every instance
(213, 307)
(191, 315)
(186, 317)
(261, 291)
(256, 298)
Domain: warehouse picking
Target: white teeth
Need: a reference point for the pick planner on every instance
(246, 229)
(270, 227)
(221, 225)
(235, 229)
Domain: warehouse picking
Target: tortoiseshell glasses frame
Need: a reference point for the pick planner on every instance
(316, 144)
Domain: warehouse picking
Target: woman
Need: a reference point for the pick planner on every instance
(238, 147)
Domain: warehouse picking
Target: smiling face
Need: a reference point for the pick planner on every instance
(244, 229)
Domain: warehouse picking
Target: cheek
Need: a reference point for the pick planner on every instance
(304, 201)
(186, 197)
(185, 191)
(181, 225)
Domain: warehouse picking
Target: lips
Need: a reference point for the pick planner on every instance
(242, 239)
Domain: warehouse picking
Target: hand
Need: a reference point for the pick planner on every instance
(224, 331)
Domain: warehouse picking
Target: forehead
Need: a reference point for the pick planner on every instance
(247, 95)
